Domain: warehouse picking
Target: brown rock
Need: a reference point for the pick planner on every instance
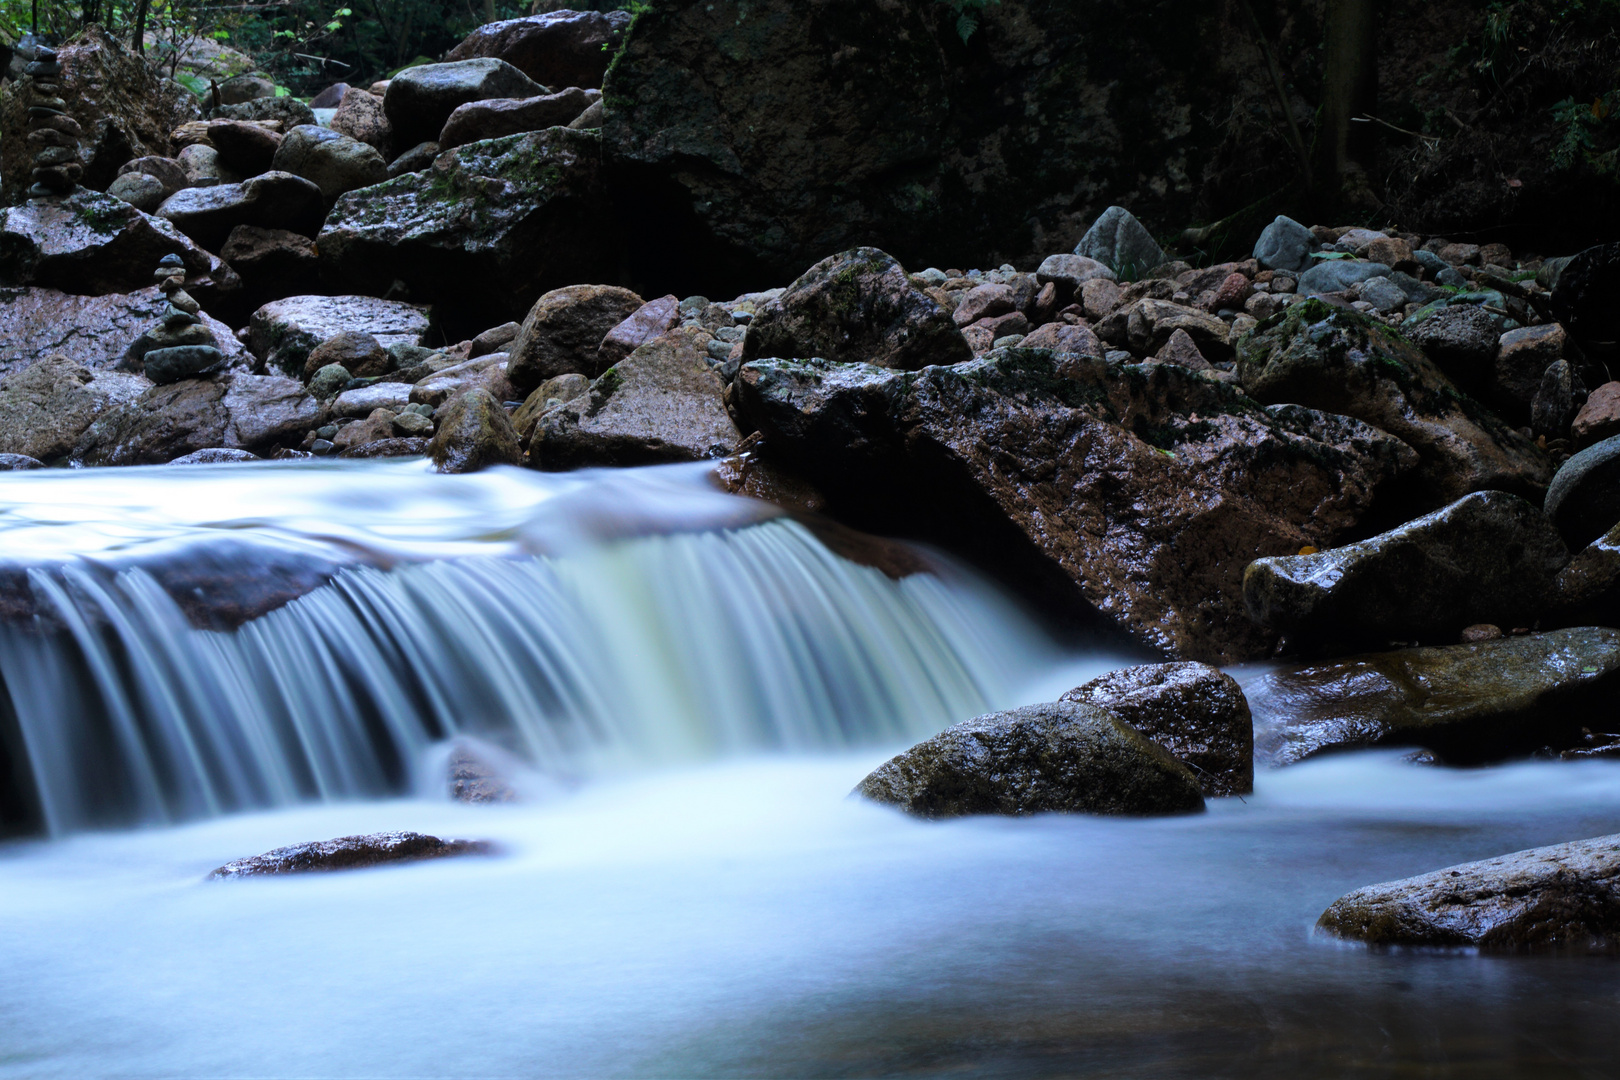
(93, 331)
(1480, 632)
(983, 302)
(360, 116)
(1006, 324)
(362, 355)
(45, 407)
(453, 379)
(1064, 338)
(375, 427)
(1180, 349)
(474, 433)
(1460, 254)
(653, 319)
(1522, 357)
(410, 446)
(1599, 418)
(273, 263)
(350, 853)
(1392, 251)
(1233, 290)
(496, 117)
(1099, 297)
(1146, 325)
(236, 411)
(564, 330)
(752, 474)
(558, 48)
(495, 339)
(244, 146)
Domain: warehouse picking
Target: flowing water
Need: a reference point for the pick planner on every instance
(691, 685)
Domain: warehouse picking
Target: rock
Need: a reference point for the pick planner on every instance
(272, 263)
(1139, 492)
(217, 455)
(1181, 349)
(330, 98)
(361, 354)
(1468, 704)
(1599, 418)
(1462, 340)
(1385, 296)
(45, 407)
(444, 384)
(289, 112)
(416, 159)
(473, 779)
(1584, 497)
(549, 393)
(660, 403)
(365, 400)
(203, 168)
(1522, 357)
(125, 107)
(1563, 898)
(1553, 408)
(272, 200)
(474, 433)
(237, 411)
(145, 193)
(1196, 712)
(1147, 325)
(1338, 361)
(387, 448)
(652, 319)
(377, 427)
(283, 333)
(19, 463)
(563, 332)
(983, 302)
(420, 99)
(558, 48)
(591, 118)
(171, 364)
(1337, 275)
(94, 244)
(165, 170)
(94, 332)
(330, 160)
(242, 88)
(1121, 243)
(329, 382)
(1063, 338)
(1064, 757)
(1285, 245)
(1389, 250)
(490, 226)
(245, 147)
(360, 116)
(1488, 557)
(511, 116)
(350, 853)
(1071, 271)
(1234, 291)
(495, 339)
(1583, 300)
(1099, 297)
(856, 306)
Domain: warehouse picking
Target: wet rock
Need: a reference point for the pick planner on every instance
(490, 225)
(165, 170)
(416, 159)
(1599, 417)
(244, 147)
(1488, 557)
(474, 433)
(1467, 704)
(1583, 300)
(1121, 243)
(330, 160)
(1064, 338)
(94, 331)
(1584, 498)
(1523, 355)
(365, 400)
(19, 462)
(1071, 271)
(203, 168)
(474, 780)
(1553, 408)
(1196, 712)
(350, 853)
(591, 118)
(558, 48)
(125, 107)
(237, 411)
(414, 446)
(511, 116)
(563, 332)
(273, 263)
(858, 306)
(176, 362)
(1562, 898)
(360, 116)
(1147, 325)
(1064, 757)
(445, 383)
(361, 354)
(653, 319)
(1334, 276)
(145, 193)
(1140, 492)
(217, 455)
(1462, 340)
(94, 244)
(547, 394)
(660, 403)
(1285, 245)
(45, 407)
(289, 112)
(283, 333)
(420, 99)
(1338, 361)
(753, 475)
(272, 200)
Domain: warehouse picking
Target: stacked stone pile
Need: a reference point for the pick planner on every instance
(180, 347)
(53, 135)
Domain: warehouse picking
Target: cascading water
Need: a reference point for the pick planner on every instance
(583, 624)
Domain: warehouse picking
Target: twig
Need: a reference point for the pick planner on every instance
(1432, 142)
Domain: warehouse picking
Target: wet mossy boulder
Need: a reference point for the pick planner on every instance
(1065, 757)
(1137, 492)
(1489, 557)
(1468, 704)
(490, 226)
(1561, 898)
(1339, 361)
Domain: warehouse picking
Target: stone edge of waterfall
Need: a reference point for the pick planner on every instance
(350, 853)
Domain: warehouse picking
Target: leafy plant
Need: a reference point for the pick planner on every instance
(968, 13)
(1580, 124)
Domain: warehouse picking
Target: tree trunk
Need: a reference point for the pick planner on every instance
(1349, 89)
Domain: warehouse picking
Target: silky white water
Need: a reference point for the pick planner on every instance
(690, 686)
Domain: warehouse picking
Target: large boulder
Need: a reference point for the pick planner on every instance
(857, 306)
(558, 48)
(660, 403)
(490, 225)
(330, 160)
(1065, 757)
(420, 99)
(1584, 497)
(272, 200)
(474, 433)
(92, 331)
(1121, 243)
(127, 110)
(1562, 898)
(95, 244)
(1195, 711)
(1336, 360)
(563, 333)
(1472, 703)
(499, 117)
(256, 413)
(283, 333)
(1489, 557)
(1139, 491)
(45, 407)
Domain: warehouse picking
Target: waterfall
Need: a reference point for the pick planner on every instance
(716, 638)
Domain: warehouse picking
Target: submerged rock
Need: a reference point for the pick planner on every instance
(1063, 757)
(1563, 898)
(1472, 703)
(350, 853)
(1140, 491)
(1489, 557)
(1338, 361)
(1196, 712)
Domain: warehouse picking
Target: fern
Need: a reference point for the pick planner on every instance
(967, 15)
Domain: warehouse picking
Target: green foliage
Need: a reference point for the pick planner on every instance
(1580, 125)
(968, 13)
